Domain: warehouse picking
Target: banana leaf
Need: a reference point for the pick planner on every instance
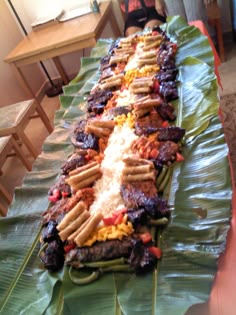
(199, 191)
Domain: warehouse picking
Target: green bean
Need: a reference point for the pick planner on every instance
(85, 280)
(161, 175)
(161, 221)
(165, 180)
(122, 268)
(101, 264)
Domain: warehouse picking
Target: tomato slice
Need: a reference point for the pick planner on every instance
(109, 220)
(119, 218)
(146, 237)
(179, 157)
(156, 251)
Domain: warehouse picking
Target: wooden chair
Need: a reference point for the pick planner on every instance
(16, 117)
(214, 19)
(8, 146)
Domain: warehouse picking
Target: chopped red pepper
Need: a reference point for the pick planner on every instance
(179, 157)
(165, 124)
(146, 237)
(156, 86)
(156, 251)
(68, 247)
(65, 194)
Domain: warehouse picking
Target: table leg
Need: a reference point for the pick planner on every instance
(20, 76)
(61, 70)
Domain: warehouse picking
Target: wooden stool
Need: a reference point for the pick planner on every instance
(214, 19)
(7, 146)
(16, 117)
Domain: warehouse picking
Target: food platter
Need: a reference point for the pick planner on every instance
(194, 238)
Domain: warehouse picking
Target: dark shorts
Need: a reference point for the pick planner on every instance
(139, 18)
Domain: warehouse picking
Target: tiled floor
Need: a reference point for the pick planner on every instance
(13, 169)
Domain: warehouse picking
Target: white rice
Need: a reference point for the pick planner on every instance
(107, 188)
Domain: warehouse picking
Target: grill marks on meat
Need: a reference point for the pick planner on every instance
(148, 124)
(143, 195)
(100, 251)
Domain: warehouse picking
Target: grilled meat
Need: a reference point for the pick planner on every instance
(148, 124)
(100, 251)
(53, 256)
(166, 111)
(169, 90)
(141, 259)
(172, 133)
(167, 152)
(98, 100)
(143, 195)
(73, 163)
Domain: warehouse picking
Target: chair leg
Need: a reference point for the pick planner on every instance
(5, 193)
(20, 155)
(220, 39)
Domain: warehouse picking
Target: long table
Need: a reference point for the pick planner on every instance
(59, 39)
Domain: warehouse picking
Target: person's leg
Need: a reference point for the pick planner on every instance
(132, 30)
(153, 23)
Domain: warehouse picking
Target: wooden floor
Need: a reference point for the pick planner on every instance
(13, 169)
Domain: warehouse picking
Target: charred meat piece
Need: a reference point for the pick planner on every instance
(167, 152)
(49, 232)
(53, 256)
(148, 124)
(100, 251)
(119, 110)
(143, 195)
(167, 74)
(141, 259)
(169, 90)
(137, 217)
(98, 100)
(104, 62)
(172, 133)
(166, 111)
(73, 163)
(87, 141)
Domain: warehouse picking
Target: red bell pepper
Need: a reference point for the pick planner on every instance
(156, 251)
(68, 247)
(179, 157)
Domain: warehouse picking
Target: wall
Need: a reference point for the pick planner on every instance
(10, 34)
